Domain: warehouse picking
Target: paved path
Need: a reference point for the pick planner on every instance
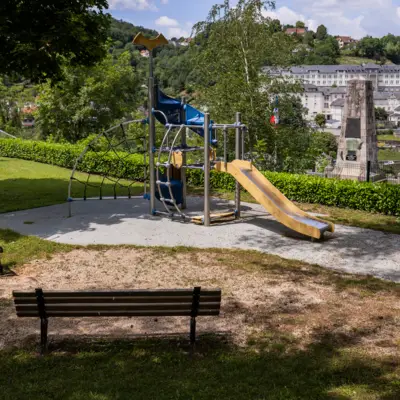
(127, 222)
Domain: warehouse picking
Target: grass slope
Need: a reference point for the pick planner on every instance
(350, 60)
(27, 184)
(388, 155)
(389, 137)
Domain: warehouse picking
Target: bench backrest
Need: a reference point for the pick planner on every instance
(131, 303)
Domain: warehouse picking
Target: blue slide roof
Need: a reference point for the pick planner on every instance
(172, 108)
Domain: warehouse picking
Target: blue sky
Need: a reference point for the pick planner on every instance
(355, 18)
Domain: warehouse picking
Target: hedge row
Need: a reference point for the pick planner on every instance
(365, 196)
(117, 164)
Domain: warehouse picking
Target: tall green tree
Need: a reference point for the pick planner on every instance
(239, 43)
(300, 24)
(381, 114)
(371, 48)
(35, 35)
(322, 32)
(89, 99)
(320, 120)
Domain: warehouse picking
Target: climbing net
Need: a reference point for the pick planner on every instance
(108, 167)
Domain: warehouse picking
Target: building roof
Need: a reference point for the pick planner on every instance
(345, 38)
(332, 69)
(338, 103)
(299, 31)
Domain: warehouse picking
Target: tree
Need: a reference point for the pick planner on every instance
(308, 38)
(300, 24)
(322, 32)
(275, 26)
(88, 100)
(36, 36)
(244, 44)
(326, 52)
(381, 114)
(233, 82)
(371, 48)
(320, 120)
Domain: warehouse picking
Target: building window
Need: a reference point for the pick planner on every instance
(326, 105)
(327, 98)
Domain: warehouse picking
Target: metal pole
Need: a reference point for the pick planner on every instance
(152, 137)
(225, 148)
(184, 157)
(242, 132)
(237, 157)
(207, 220)
(368, 171)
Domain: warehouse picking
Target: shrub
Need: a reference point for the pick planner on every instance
(117, 164)
(365, 196)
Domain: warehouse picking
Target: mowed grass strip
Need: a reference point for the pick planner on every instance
(28, 184)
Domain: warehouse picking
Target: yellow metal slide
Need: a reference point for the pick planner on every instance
(274, 201)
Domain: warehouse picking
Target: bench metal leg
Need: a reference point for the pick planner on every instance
(192, 331)
(44, 322)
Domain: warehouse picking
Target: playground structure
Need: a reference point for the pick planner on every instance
(168, 162)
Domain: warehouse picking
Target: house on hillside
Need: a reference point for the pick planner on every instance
(345, 40)
(296, 31)
(186, 42)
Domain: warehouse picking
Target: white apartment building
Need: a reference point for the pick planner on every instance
(330, 102)
(325, 87)
(339, 75)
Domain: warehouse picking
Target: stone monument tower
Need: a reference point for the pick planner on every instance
(358, 141)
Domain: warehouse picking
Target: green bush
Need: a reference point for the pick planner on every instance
(117, 164)
(365, 196)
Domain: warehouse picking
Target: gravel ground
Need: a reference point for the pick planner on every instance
(260, 296)
(116, 222)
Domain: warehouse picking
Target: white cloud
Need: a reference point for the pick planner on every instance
(172, 28)
(140, 5)
(177, 32)
(288, 16)
(166, 21)
(356, 18)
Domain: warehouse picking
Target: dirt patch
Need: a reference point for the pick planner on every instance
(264, 297)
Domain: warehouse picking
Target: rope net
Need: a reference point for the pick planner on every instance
(112, 165)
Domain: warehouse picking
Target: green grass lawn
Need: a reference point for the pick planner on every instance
(350, 60)
(388, 155)
(28, 184)
(389, 137)
(162, 369)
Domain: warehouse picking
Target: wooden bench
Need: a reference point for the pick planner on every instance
(131, 303)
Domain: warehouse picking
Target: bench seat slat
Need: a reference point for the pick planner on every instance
(122, 293)
(117, 307)
(83, 300)
(159, 313)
